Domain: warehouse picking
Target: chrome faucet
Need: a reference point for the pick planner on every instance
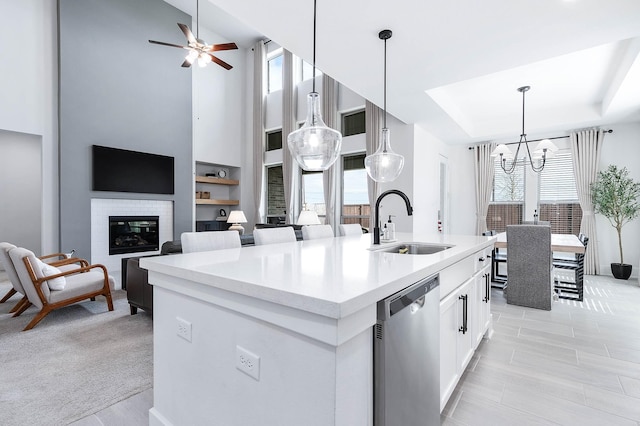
(376, 228)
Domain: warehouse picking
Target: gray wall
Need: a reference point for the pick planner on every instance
(21, 189)
(118, 90)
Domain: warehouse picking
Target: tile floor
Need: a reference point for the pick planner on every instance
(578, 364)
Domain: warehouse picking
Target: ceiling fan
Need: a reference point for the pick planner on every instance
(199, 49)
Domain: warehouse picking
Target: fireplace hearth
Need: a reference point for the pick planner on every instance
(133, 234)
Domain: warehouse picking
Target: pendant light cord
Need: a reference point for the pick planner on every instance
(314, 45)
(522, 134)
(385, 84)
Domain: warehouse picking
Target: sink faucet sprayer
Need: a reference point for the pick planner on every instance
(376, 228)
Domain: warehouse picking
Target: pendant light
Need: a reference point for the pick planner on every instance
(544, 150)
(314, 146)
(384, 165)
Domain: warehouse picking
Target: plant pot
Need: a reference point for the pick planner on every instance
(621, 271)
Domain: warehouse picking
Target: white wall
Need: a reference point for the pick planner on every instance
(29, 101)
(462, 191)
(622, 148)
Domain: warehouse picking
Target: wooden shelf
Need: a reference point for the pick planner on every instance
(217, 202)
(219, 181)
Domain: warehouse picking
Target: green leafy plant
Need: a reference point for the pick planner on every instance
(615, 196)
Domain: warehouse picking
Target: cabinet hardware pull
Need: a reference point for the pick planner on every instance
(481, 259)
(487, 288)
(464, 328)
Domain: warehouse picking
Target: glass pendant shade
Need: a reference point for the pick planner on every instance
(314, 146)
(384, 165)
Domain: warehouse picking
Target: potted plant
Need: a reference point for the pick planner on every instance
(615, 196)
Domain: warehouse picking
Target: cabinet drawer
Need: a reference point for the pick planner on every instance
(482, 258)
(456, 274)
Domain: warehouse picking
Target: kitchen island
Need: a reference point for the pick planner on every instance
(282, 334)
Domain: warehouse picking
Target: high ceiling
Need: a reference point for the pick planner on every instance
(454, 66)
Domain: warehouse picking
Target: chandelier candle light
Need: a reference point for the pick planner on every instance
(384, 165)
(544, 150)
(314, 146)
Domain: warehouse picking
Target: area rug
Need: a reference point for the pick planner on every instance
(75, 362)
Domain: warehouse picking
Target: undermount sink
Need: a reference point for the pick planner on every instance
(415, 248)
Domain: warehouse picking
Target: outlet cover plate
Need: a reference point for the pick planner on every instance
(183, 329)
(248, 362)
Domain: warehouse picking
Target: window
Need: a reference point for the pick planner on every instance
(313, 193)
(507, 198)
(307, 71)
(355, 195)
(558, 196)
(276, 206)
(274, 140)
(274, 71)
(353, 123)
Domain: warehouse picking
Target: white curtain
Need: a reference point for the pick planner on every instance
(259, 99)
(586, 147)
(483, 166)
(373, 119)
(290, 171)
(330, 116)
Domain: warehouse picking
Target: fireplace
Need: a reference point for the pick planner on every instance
(132, 234)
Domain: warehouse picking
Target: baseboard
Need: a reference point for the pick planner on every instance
(157, 419)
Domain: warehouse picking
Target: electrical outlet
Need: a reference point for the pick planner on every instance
(248, 362)
(183, 329)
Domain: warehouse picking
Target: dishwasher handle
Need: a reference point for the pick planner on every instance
(412, 297)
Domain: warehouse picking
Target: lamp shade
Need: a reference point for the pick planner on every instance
(314, 146)
(237, 216)
(546, 144)
(384, 165)
(502, 149)
(308, 217)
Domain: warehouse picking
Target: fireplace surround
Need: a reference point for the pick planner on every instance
(133, 234)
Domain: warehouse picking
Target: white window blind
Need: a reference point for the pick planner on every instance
(508, 187)
(557, 182)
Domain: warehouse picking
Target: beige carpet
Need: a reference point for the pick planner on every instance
(75, 362)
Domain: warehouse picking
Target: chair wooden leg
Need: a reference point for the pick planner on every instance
(93, 299)
(19, 304)
(8, 295)
(43, 313)
(109, 300)
(22, 308)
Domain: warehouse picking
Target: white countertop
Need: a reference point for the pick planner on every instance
(332, 277)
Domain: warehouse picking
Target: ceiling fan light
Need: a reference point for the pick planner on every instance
(193, 54)
(203, 59)
(384, 165)
(314, 146)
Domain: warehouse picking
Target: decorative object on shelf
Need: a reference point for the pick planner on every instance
(223, 173)
(236, 217)
(314, 146)
(199, 49)
(222, 213)
(203, 195)
(384, 165)
(308, 217)
(617, 197)
(545, 148)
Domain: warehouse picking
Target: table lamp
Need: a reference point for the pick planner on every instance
(236, 217)
(308, 217)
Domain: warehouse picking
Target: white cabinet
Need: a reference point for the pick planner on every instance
(465, 317)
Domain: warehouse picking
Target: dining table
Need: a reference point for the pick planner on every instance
(567, 243)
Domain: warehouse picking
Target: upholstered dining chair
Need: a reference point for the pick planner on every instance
(48, 290)
(283, 234)
(349, 229)
(529, 266)
(209, 240)
(314, 232)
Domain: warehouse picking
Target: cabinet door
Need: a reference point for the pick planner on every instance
(482, 300)
(467, 307)
(449, 324)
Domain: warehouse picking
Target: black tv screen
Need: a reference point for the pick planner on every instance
(121, 170)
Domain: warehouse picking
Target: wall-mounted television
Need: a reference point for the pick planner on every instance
(121, 170)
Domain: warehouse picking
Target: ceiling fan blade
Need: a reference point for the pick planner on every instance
(187, 33)
(220, 62)
(186, 64)
(223, 46)
(167, 44)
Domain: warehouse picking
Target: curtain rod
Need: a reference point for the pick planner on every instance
(538, 140)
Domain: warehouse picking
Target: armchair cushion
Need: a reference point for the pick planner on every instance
(79, 284)
(55, 283)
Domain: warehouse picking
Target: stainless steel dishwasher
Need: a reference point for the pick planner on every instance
(406, 357)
